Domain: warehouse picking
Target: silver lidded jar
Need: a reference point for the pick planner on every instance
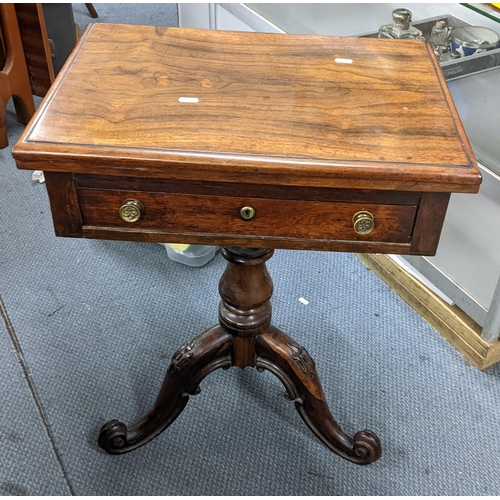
(440, 38)
(401, 27)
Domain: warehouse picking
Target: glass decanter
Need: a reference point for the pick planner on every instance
(401, 27)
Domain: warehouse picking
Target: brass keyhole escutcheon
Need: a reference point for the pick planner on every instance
(247, 213)
(131, 210)
(363, 222)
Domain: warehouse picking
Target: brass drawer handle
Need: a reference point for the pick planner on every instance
(247, 213)
(131, 210)
(363, 222)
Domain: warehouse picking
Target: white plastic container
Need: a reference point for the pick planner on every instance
(190, 255)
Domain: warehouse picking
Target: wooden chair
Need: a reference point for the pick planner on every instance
(91, 9)
(14, 78)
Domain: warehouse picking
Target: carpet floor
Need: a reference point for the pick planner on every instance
(89, 327)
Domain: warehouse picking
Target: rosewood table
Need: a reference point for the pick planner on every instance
(252, 142)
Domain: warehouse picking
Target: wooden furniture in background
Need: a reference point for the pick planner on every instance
(249, 141)
(3, 48)
(92, 11)
(37, 51)
(61, 31)
(14, 79)
(39, 38)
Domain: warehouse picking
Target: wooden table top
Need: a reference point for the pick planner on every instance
(270, 108)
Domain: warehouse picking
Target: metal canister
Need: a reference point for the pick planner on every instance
(469, 40)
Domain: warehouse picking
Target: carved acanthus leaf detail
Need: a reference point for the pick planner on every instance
(182, 356)
(302, 358)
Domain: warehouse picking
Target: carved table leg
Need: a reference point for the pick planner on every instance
(189, 366)
(245, 312)
(244, 338)
(293, 365)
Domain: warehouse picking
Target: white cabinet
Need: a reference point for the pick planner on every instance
(196, 15)
(224, 16)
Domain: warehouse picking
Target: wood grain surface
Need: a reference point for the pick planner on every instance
(36, 46)
(272, 108)
(218, 214)
(64, 204)
(246, 189)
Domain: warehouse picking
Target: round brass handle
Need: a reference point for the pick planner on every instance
(247, 213)
(363, 222)
(131, 210)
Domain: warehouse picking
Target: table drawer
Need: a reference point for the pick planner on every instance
(174, 213)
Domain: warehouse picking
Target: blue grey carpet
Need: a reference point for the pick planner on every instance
(28, 462)
(156, 14)
(97, 322)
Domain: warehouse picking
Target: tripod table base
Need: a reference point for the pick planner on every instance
(243, 338)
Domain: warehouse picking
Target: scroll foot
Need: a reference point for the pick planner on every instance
(113, 435)
(189, 366)
(293, 365)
